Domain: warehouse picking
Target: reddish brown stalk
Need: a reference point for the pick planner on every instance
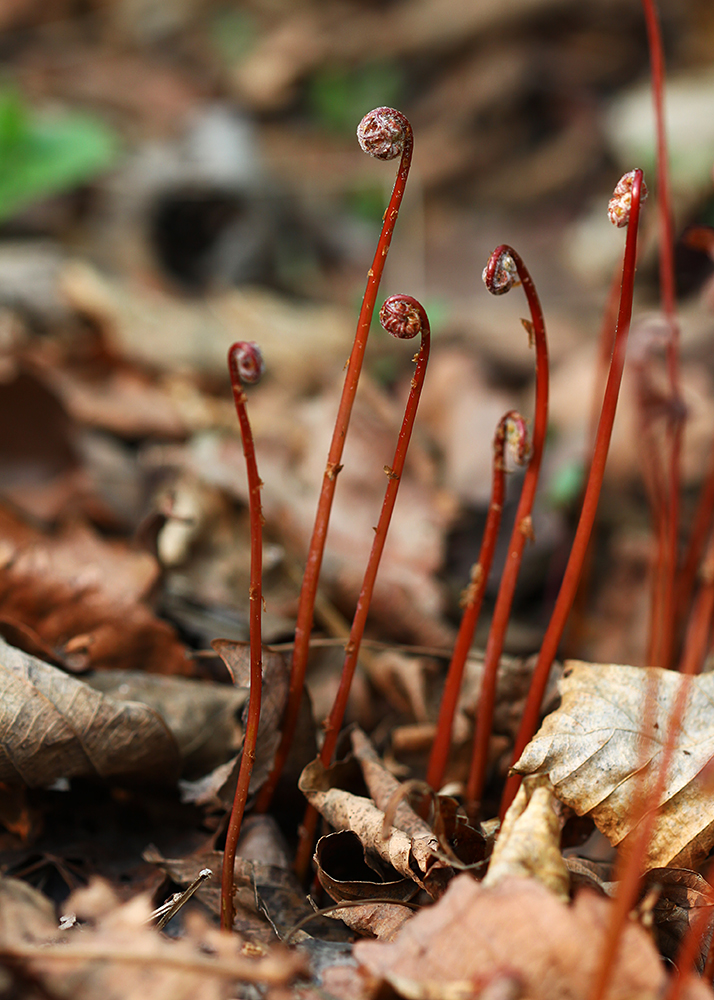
(667, 560)
(246, 365)
(505, 268)
(403, 317)
(511, 431)
(652, 407)
(605, 341)
(708, 973)
(630, 874)
(624, 209)
(384, 133)
(700, 622)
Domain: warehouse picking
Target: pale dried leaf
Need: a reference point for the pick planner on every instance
(383, 787)
(412, 857)
(476, 933)
(123, 956)
(529, 841)
(26, 915)
(378, 920)
(596, 751)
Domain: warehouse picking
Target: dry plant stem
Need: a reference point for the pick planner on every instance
(708, 973)
(568, 587)
(605, 343)
(512, 423)
(629, 876)
(522, 528)
(667, 561)
(411, 315)
(655, 479)
(236, 362)
(316, 549)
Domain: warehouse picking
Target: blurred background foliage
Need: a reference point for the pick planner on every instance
(198, 159)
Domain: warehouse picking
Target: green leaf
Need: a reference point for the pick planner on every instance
(340, 97)
(42, 156)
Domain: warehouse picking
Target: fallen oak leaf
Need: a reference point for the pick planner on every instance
(85, 597)
(130, 727)
(596, 751)
(54, 726)
(476, 934)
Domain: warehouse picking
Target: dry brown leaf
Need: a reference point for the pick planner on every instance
(124, 402)
(529, 842)
(85, 597)
(377, 920)
(168, 333)
(683, 899)
(202, 716)
(412, 857)
(596, 751)
(384, 787)
(121, 955)
(115, 724)
(55, 726)
(347, 872)
(276, 674)
(402, 680)
(475, 934)
(26, 915)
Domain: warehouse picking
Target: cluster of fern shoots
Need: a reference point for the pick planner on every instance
(386, 133)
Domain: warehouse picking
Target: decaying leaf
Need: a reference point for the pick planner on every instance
(85, 597)
(26, 915)
(682, 897)
(597, 751)
(348, 873)
(119, 954)
(385, 789)
(475, 935)
(412, 857)
(221, 783)
(529, 842)
(203, 717)
(114, 724)
(54, 726)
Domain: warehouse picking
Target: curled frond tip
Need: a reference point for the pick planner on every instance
(383, 133)
(501, 273)
(403, 317)
(245, 362)
(620, 205)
